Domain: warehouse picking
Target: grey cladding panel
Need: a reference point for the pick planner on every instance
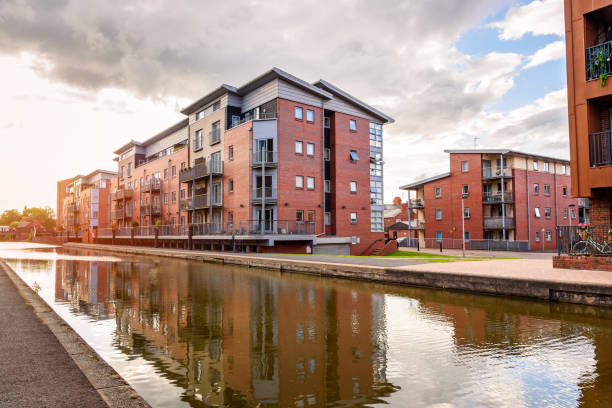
(293, 93)
(260, 95)
(331, 249)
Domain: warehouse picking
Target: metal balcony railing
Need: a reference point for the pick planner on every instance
(495, 172)
(597, 60)
(152, 185)
(150, 208)
(264, 157)
(497, 197)
(121, 194)
(199, 201)
(248, 118)
(200, 171)
(600, 149)
(264, 192)
(496, 223)
(416, 203)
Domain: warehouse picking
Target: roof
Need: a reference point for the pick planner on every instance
(112, 173)
(392, 212)
(399, 225)
(208, 98)
(275, 73)
(421, 183)
(168, 131)
(508, 152)
(354, 101)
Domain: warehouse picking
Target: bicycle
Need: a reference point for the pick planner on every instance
(589, 246)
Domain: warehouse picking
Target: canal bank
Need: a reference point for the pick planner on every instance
(45, 362)
(528, 278)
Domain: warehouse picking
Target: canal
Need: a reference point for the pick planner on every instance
(190, 334)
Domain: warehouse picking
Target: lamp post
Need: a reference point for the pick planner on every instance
(543, 239)
(571, 235)
(463, 224)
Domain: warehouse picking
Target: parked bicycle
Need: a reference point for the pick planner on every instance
(588, 246)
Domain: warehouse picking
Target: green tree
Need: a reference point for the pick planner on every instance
(10, 216)
(45, 215)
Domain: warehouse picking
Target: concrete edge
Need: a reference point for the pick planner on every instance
(113, 389)
(548, 290)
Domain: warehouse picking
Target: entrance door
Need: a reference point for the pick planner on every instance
(265, 220)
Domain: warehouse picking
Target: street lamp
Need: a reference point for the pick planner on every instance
(463, 196)
(571, 208)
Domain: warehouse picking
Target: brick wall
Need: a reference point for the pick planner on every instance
(238, 170)
(600, 207)
(601, 263)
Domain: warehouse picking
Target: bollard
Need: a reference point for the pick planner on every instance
(418, 246)
(156, 238)
(440, 246)
(190, 237)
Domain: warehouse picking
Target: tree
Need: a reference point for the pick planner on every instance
(45, 215)
(10, 216)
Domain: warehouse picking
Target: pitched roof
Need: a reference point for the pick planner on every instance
(208, 98)
(421, 183)
(507, 152)
(168, 131)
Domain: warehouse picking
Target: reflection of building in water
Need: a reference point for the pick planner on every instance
(231, 337)
(84, 285)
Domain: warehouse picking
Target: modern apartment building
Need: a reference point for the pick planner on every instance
(588, 37)
(277, 156)
(148, 188)
(84, 201)
(507, 196)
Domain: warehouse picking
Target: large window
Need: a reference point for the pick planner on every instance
(215, 133)
(376, 193)
(376, 167)
(198, 140)
(310, 183)
(377, 221)
(375, 134)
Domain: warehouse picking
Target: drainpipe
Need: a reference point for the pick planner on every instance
(210, 190)
(503, 168)
(556, 203)
(323, 165)
(528, 207)
(250, 158)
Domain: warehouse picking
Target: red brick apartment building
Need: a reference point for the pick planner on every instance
(294, 165)
(588, 37)
(83, 202)
(507, 196)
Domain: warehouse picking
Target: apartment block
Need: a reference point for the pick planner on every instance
(148, 188)
(84, 202)
(588, 35)
(509, 196)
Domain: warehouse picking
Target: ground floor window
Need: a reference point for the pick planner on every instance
(467, 235)
(439, 236)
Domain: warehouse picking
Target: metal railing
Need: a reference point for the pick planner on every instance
(248, 118)
(498, 223)
(200, 201)
(200, 171)
(264, 192)
(153, 184)
(597, 60)
(473, 244)
(154, 209)
(120, 213)
(498, 197)
(600, 148)
(264, 157)
(495, 172)
(121, 194)
(416, 203)
(595, 240)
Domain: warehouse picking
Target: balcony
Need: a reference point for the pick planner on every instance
(267, 194)
(121, 194)
(73, 208)
(416, 203)
(496, 172)
(153, 209)
(416, 224)
(600, 149)
(497, 197)
(496, 223)
(121, 213)
(199, 202)
(248, 118)
(597, 60)
(152, 185)
(266, 157)
(200, 171)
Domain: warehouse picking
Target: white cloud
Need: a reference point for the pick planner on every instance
(540, 17)
(550, 52)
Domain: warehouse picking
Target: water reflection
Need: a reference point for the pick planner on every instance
(210, 335)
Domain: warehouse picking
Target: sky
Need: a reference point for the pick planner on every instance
(80, 79)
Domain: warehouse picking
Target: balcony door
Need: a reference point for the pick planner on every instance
(264, 190)
(264, 219)
(486, 168)
(264, 149)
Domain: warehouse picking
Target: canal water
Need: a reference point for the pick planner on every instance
(192, 334)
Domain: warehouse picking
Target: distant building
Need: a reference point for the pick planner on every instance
(508, 196)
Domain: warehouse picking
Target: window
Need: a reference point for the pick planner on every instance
(376, 192)
(327, 186)
(231, 185)
(310, 183)
(130, 169)
(215, 133)
(299, 216)
(573, 213)
(535, 165)
(465, 166)
(438, 214)
(547, 189)
(548, 236)
(375, 134)
(299, 181)
(182, 193)
(310, 216)
(216, 106)
(377, 221)
(326, 154)
(537, 234)
(466, 213)
(465, 189)
(199, 115)
(353, 125)
(547, 212)
(230, 217)
(198, 140)
(165, 174)
(327, 218)
(499, 162)
(536, 189)
(174, 196)
(353, 156)
(230, 153)
(299, 113)
(537, 212)
(564, 191)
(353, 186)
(165, 198)
(563, 169)
(299, 147)
(122, 168)
(467, 235)
(182, 220)
(310, 149)
(353, 218)
(135, 204)
(309, 115)
(565, 213)
(376, 164)
(183, 165)
(438, 192)
(546, 166)
(173, 171)
(439, 236)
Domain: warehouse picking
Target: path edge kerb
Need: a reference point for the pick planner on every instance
(113, 389)
(541, 289)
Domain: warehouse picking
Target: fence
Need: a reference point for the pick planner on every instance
(595, 240)
(473, 244)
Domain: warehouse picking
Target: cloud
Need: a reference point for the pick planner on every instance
(550, 52)
(540, 17)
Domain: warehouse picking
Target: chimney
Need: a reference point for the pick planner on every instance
(397, 201)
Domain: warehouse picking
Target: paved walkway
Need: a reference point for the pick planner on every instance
(35, 369)
(345, 260)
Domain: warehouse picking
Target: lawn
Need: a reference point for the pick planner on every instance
(420, 256)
